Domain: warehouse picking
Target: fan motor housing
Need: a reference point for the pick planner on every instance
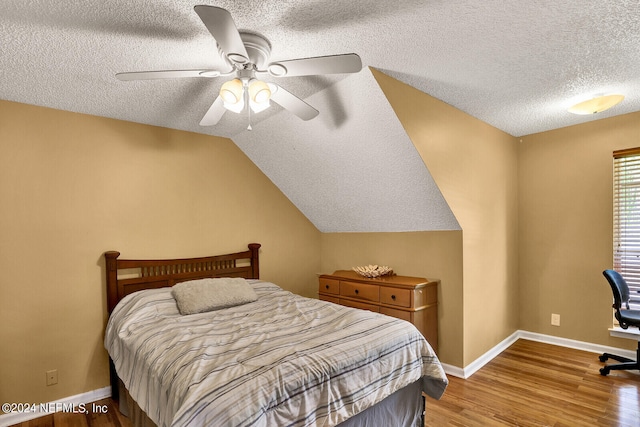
(257, 47)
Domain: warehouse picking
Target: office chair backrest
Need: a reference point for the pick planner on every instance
(620, 289)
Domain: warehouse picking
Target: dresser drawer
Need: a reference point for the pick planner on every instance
(334, 300)
(360, 291)
(395, 296)
(329, 286)
(360, 305)
(398, 314)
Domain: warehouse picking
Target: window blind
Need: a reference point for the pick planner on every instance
(626, 219)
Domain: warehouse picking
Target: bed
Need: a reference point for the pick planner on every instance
(278, 359)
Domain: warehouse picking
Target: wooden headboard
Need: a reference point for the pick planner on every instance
(125, 276)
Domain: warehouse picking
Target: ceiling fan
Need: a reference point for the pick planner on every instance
(246, 54)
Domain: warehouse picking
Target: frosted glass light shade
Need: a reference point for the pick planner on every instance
(259, 91)
(596, 104)
(236, 108)
(231, 91)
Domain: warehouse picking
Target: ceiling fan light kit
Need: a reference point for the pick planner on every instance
(246, 53)
(259, 91)
(234, 92)
(231, 91)
(596, 104)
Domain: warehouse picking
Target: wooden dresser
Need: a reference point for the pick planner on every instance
(414, 299)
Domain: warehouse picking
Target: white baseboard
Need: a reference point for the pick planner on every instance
(473, 367)
(578, 345)
(72, 403)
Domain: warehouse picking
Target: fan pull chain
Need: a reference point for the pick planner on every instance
(246, 102)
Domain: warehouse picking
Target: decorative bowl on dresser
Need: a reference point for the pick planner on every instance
(414, 299)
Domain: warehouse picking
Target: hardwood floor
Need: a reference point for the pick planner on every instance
(529, 384)
(535, 384)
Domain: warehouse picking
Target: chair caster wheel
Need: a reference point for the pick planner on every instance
(603, 358)
(604, 372)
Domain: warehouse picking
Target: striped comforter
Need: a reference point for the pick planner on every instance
(282, 360)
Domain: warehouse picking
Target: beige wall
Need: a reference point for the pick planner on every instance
(475, 167)
(73, 186)
(566, 227)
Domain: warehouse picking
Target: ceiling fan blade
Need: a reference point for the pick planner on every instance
(222, 27)
(214, 113)
(168, 74)
(334, 64)
(292, 103)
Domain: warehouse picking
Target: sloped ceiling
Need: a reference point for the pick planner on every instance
(341, 179)
(516, 65)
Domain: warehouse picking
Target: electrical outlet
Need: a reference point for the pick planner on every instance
(555, 319)
(52, 377)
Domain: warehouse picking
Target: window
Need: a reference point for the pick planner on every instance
(626, 219)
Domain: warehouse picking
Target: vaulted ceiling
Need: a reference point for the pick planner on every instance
(515, 65)
(337, 177)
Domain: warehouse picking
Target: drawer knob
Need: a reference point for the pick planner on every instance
(357, 291)
(326, 286)
(393, 297)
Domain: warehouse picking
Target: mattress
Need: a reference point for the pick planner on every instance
(281, 360)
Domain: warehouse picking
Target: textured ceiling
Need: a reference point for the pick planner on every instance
(516, 65)
(337, 177)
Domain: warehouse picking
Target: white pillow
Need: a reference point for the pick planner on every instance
(198, 296)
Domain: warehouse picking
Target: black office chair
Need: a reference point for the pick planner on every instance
(625, 317)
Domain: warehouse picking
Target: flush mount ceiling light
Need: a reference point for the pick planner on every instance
(596, 104)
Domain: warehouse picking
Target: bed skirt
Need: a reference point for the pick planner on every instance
(404, 408)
